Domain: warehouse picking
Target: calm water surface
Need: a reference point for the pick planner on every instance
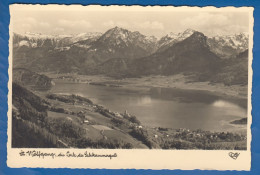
(172, 108)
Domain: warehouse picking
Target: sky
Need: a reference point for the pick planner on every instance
(66, 20)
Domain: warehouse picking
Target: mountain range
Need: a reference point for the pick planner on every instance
(122, 53)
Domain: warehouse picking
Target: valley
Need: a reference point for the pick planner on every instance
(70, 120)
(121, 53)
(123, 90)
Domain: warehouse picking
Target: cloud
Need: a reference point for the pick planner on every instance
(209, 23)
(31, 24)
(44, 24)
(206, 19)
(213, 23)
(48, 26)
(58, 30)
(111, 24)
(75, 23)
(155, 25)
(30, 20)
(26, 26)
(146, 25)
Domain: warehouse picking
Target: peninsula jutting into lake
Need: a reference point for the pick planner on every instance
(115, 87)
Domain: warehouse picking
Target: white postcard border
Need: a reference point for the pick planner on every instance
(134, 158)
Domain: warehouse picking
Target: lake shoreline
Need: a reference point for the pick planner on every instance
(98, 91)
(147, 82)
(79, 122)
(152, 137)
(235, 94)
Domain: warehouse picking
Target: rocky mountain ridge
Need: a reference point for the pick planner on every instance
(222, 45)
(228, 45)
(33, 40)
(122, 53)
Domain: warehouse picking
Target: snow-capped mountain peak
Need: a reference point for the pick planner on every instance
(172, 38)
(118, 39)
(188, 32)
(236, 40)
(151, 38)
(181, 35)
(31, 35)
(226, 45)
(33, 40)
(85, 36)
(120, 42)
(116, 33)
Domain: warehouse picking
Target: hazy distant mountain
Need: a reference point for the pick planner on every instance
(229, 45)
(120, 52)
(66, 54)
(34, 40)
(39, 52)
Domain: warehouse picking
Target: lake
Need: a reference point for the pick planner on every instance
(164, 107)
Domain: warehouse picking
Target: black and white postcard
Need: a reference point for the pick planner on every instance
(139, 87)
